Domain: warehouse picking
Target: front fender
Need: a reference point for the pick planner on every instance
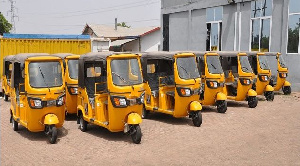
(251, 93)
(51, 119)
(269, 88)
(134, 118)
(286, 83)
(195, 106)
(221, 96)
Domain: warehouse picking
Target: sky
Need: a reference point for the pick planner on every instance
(70, 16)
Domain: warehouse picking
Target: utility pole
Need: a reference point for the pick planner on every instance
(13, 15)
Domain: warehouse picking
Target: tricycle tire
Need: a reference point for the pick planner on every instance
(53, 135)
(82, 124)
(252, 102)
(5, 97)
(222, 106)
(136, 136)
(15, 124)
(197, 119)
(287, 90)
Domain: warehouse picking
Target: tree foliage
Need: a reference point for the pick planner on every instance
(123, 24)
(5, 26)
(293, 41)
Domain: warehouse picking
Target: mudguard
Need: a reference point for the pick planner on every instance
(251, 93)
(195, 106)
(269, 88)
(286, 83)
(134, 118)
(51, 119)
(221, 96)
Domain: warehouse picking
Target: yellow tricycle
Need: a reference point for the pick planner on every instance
(212, 77)
(37, 94)
(262, 71)
(238, 77)
(172, 84)
(110, 87)
(7, 67)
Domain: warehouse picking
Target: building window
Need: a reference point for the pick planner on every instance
(214, 18)
(261, 14)
(293, 30)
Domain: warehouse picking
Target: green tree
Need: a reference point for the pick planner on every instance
(293, 41)
(123, 24)
(5, 26)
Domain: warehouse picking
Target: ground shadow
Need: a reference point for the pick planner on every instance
(41, 136)
(71, 117)
(169, 119)
(104, 133)
(237, 104)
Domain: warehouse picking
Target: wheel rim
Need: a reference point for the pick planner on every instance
(81, 123)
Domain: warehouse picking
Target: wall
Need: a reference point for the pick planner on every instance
(150, 42)
(178, 31)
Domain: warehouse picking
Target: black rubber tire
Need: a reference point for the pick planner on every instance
(222, 106)
(82, 124)
(269, 96)
(5, 97)
(252, 102)
(287, 90)
(53, 135)
(136, 136)
(197, 119)
(15, 124)
(145, 113)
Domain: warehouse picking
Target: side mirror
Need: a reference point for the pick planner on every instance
(22, 89)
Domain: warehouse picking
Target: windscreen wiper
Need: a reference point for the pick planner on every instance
(184, 70)
(121, 78)
(43, 77)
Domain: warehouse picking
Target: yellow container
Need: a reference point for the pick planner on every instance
(11, 46)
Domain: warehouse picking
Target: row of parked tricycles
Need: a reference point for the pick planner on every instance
(116, 90)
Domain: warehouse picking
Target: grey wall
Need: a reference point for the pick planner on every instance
(179, 29)
(198, 30)
(245, 27)
(228, 28)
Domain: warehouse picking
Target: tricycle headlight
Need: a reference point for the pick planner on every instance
(184, 92)
(212, 84)
(118, 101)
(73, 90)
(245, 81)
(282, 75)
(60, 101)
(35, 103)
(264, 78)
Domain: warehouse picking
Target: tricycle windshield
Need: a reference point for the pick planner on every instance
(187, 68)
(282, 62)
(214, 65)
(126, 72)
(263, 62)
(245, 64)
(45, 74)
(73, 68)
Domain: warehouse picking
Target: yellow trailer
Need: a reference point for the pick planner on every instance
(12, 44)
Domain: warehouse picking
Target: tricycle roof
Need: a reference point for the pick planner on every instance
(163, 54)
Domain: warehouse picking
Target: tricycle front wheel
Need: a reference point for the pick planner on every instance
(51, 131)
(252, 101)
(287, 90)
(136, 134)
(197, 118)
(15, 124)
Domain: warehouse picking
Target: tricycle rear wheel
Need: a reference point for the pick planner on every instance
(5, 97)
(82, 124)
(136, 134)
(15, 124)
(145, 113)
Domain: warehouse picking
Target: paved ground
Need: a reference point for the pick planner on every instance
(267, 135)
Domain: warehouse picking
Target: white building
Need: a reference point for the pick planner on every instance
(106, 38)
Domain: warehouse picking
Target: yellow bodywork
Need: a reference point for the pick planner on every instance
(286, 83)
(134, 119)
(168, 100)
(243, 91)
(251, 93)
(211, 95)
(51, 119)
(269, 88)
(71, 99)
(34, 119)
(102, 112)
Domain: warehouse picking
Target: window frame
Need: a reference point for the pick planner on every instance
(219, 22)
(261, 18)
(287, 32)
